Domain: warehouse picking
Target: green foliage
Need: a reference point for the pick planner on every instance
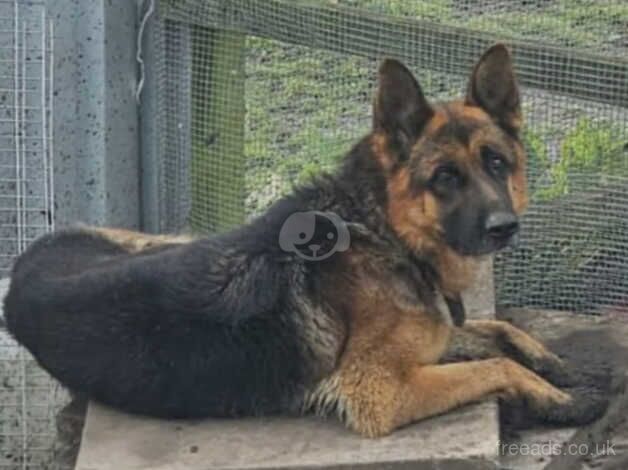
(594, 148)
(538, 157)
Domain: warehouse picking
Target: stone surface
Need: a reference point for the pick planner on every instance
(112, 441)
(464, 439)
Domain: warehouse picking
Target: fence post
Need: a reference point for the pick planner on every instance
(96, 153)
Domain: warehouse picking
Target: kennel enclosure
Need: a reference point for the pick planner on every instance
(242, 99)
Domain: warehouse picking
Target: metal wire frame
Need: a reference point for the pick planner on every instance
(26, 211)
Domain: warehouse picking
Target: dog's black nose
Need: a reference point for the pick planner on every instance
(502, 225)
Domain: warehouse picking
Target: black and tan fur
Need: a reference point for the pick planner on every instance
(232, 325)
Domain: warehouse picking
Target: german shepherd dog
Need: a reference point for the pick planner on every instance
(248, 323)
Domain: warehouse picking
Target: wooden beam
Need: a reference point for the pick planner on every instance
(442, 48)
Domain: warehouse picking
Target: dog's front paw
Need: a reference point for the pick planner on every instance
(579, 410)
(523, 348)
(535, 356)
(584, 408)
(589, 399)
(535, 391)
(553, 369)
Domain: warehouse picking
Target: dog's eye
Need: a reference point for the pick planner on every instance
(446, 175)
(494, 161)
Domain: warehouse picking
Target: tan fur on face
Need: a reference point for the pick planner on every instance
(415, 217)
(438, 120)
(517, 182)
(415, 220)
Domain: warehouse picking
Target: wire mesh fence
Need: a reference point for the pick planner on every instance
(256, 96)
(26, 211)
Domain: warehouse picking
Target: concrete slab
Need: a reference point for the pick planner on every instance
(465, 439)
(112, 441)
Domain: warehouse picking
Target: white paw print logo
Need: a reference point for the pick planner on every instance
(314, 235)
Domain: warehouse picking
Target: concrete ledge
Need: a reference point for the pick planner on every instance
(114, 441)
(465, 439)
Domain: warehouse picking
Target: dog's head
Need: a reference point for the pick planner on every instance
(455, 171)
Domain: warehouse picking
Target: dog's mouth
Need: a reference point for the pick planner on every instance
(487, 246)
(495, 245)
(483, 235)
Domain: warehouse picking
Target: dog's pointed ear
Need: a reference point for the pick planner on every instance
(493, 87)
(400, 108)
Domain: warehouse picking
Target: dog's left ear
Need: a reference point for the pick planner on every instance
(493, 87)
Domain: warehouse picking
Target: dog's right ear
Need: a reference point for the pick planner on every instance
(400, 108)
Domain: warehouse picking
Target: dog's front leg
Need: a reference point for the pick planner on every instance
(483, 339)
(520, 346)
(377, 398)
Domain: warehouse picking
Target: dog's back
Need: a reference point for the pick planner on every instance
(161, 332)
